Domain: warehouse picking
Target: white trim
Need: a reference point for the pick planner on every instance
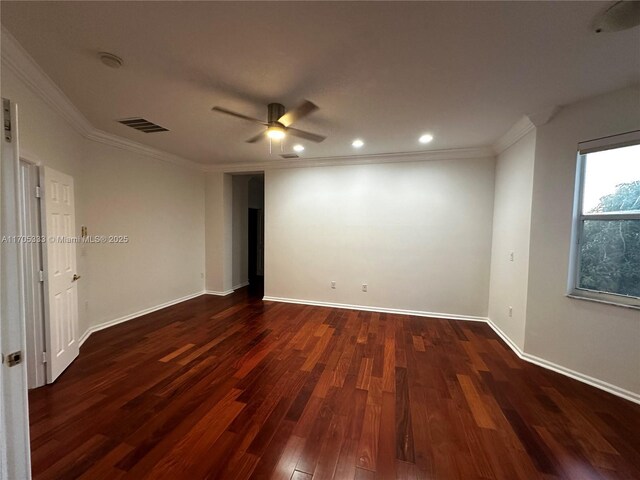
(397, 157)
(219, 294)
(417, 313)
(100, 136)
(240, 285)
(126, 318)
(609, 142)
(18, 61)
(579, 218)
(580, 294)
(594, 382)
(518, 351)
(581, 377)
(15, 455)
(515, 133)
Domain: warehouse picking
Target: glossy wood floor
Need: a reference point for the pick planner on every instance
(236, 388)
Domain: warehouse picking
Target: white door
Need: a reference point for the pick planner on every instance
(61, 291)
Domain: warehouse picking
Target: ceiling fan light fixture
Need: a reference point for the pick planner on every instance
(275, 132)
(298, 148)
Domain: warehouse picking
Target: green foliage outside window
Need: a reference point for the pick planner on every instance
(610, 249)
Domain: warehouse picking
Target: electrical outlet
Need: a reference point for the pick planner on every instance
(511, 256)
(364, 287)
(333, 284)
(511, 311)
(202, 275)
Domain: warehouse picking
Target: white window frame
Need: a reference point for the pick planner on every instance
(584, 148)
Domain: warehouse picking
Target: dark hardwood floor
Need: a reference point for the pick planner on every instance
(236, 388)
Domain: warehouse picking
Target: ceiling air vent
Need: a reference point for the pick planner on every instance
(143, 125)
(289, 155)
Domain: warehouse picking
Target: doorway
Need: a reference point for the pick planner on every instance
(248, 233)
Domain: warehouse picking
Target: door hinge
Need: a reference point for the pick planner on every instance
(44, 357)
(38, 192)
(14, 359)
(6, 113)
(41, 276)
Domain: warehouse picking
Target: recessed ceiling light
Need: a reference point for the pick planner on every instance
(275, 133)
(426, 138)
(357, 143)
(298, 148)
(110, 60)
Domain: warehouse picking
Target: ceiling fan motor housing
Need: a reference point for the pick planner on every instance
(276, 110)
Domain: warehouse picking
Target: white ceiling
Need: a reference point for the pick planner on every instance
(385, 72)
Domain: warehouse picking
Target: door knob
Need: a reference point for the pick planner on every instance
(75, 277)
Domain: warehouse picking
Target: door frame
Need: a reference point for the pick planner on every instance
(35, 353)
(15, 454)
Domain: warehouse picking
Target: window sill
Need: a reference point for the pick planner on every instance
(606, 302)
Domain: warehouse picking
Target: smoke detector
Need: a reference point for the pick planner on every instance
(110, 60)
(619, 16)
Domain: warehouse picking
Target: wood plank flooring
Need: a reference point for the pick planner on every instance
(235, 388)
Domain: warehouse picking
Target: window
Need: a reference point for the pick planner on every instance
(607, 230)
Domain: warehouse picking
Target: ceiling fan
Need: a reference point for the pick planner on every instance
(279, 121)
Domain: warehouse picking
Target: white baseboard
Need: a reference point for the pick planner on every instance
(240, 285)
(220, 294)
(594, 382)
(517, 350)
(115, 321)
(417, 313)
(581, 377)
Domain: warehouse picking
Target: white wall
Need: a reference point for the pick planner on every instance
(219, 232)
(597, 340)
(158, 204)
(419, 234)
(511, 230)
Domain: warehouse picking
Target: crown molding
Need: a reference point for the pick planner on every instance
(101, 136)
(399, 157)
(544, 115)
(523, 126)
(515, 133)
(17, 60)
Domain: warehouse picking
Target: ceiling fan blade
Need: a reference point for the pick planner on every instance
(256, 138)
(295, 114)
(239, 115)
(306, 135)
